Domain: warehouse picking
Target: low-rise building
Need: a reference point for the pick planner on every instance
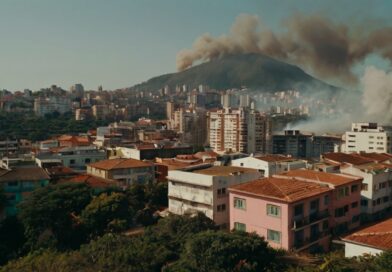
(152, 151)
(269, 165)
(291, 214)
(18, 183)
(376, 171)
(127, 171)
(372, 240)
(346, 196)
(205, 189)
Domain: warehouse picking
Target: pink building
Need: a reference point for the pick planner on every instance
(345, 202)
(298, 210)
(289, 213)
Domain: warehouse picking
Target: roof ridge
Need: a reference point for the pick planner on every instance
(372, 233)
(285, 195)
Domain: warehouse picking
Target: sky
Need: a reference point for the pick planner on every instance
(120, 43)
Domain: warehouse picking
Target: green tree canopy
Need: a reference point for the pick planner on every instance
(49, 215)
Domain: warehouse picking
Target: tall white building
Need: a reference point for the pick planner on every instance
(205, 189)
(368, 137)
(238, 130)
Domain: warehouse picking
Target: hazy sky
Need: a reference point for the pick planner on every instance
(119, 43)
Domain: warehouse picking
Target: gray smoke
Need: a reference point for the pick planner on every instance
(314, 42)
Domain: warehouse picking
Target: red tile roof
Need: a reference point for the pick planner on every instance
(354, 159)
(25, 174)
(94, 182)
(120, 164)
(317, 176)
(284, 189)
(378, 235)
(377, 157)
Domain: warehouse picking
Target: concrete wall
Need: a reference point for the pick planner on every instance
(352, 250)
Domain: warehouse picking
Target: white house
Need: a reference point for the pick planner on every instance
(205, 189)
(370, 240)
(269, 165)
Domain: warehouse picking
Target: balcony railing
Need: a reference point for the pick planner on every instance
(309, 240)
(299, 223)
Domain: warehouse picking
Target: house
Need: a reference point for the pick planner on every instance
(19, 182)
(76, 157)
(373, 239)
(152, 151)
(269, 165)
(291, 214)
(204, 189)
(346, 196)
(127, 171)
(98, 184)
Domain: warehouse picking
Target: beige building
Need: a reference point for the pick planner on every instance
(128, 171)
(237, 130)
(205, 189)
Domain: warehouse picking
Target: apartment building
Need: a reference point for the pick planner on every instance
(205, 189)
(368, 137)
(45, 105)
(304, 145)
(376, 171)
(346, 196)
(270, 164)
(127, 171)
(238, 130)
(299, 210)
(291, 214)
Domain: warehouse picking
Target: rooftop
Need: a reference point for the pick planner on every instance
(120, 164)
(224, 171)
(287, 190)
(378, 235)
(34, 173)
(274, 158)
(354, 159)
(317, 176)
(92, 181)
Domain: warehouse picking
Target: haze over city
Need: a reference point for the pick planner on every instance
(146, 136)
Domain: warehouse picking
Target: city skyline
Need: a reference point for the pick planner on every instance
(123, 43)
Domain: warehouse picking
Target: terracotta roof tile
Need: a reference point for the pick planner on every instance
(120, 164)
(25, 174)
(378, 235)
(354, 159)
(317, 176)
(288, 190)
(92, 181)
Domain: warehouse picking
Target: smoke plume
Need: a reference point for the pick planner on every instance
(377, 95)
(314, 42)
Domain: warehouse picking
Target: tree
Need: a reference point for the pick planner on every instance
(136, 195)
(11, 239)
(223, 251)
(3, 199)
(49, 215)
(107, 213)
(384, 261)
(157, 195)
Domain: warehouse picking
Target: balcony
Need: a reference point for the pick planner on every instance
(308, 241)
(314, 217)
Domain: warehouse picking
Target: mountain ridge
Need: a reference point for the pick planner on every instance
(255, 71)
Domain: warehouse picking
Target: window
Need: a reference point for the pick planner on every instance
(326, 200)
(221, 208)
(365, 187)
(72, 162)
(273, 235)
(378, 201)
(354, 204)
(342, 192)
(239, 226)
(242, 164)
(385, 199)
(355, 219)
(299, 210)
(314, 205)
(364, 202)
(239, 203)
(383, 185)
(341, 211)
(87, 160)
(354, 188)
(222, 192)
(273, 210)
(12, 183)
